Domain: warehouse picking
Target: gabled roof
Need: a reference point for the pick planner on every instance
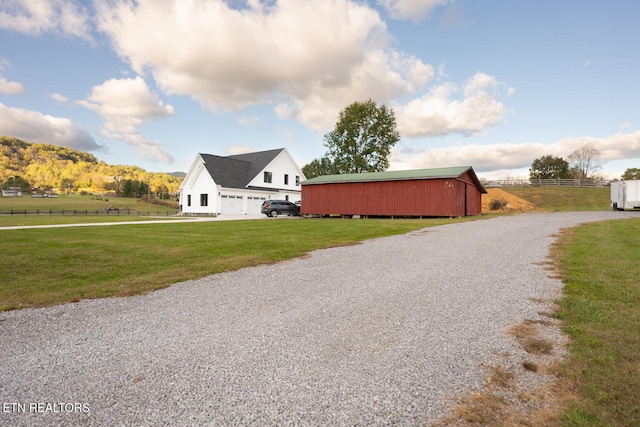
(404, 175)
(238, 170)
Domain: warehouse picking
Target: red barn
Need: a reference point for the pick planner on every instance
(441, 192)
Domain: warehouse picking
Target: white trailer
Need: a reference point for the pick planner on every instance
(625, 195)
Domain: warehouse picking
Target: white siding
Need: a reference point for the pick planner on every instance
(282, 165)
(198, 182)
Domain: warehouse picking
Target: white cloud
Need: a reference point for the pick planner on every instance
(34, 126)
(10, 88)
(495, 157)
(34, 17)
(447, 108)
(411, 9)
(312, 58)
(125, 104)
(59, 98)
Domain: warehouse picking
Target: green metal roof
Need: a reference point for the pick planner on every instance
(404, 175)
(390, 176)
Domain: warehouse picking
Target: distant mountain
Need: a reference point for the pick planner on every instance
(178, 174)
(47, 166)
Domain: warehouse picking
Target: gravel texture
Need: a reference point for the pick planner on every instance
(387, 332)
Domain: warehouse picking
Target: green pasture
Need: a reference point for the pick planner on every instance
(79, 203)
(77, 209)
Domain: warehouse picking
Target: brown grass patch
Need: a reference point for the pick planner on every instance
(523, 330)
(537, 346)
(501, 377)
(481, 409)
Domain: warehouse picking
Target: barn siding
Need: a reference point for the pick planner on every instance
(449, 197)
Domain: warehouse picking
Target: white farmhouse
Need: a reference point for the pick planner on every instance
(238, 184)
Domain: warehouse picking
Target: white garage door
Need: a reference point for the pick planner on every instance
(254, 204)
(231, 205)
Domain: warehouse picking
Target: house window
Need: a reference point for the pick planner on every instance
(297, 180)
(268, 177)
(286, 179)
(204, 200)
(188, 199)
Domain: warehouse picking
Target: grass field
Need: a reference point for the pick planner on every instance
(78, 202)
(601, 313)
(48, 266)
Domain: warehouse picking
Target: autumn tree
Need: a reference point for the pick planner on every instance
(584, 161)
(362, 138)
(549, 167)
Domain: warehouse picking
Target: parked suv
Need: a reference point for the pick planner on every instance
(274, 208)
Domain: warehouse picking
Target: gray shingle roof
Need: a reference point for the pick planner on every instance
(238, 170)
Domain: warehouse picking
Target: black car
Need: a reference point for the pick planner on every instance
(274, 208)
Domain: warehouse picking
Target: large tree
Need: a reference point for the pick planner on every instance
(631, 173)
(319, 167)
(362, 138)
(549, 167)
(584, 161)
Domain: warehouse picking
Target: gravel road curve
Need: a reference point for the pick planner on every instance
(382, 333)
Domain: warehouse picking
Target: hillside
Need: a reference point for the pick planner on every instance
(47, 166)
(546, 199)
(555, 198)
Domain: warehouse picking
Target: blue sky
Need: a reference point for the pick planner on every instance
(491, 84)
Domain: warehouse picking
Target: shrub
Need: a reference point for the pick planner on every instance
(497, 204)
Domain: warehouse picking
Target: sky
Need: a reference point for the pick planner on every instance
(490, 84)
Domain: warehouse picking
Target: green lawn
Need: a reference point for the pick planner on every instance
(48, 266)
(601, 312)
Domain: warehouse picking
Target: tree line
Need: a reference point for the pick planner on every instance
(583, 163)
(41, 168)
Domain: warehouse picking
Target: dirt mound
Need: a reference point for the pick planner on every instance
(504, 202)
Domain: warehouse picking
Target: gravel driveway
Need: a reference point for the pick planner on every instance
(386, 332)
